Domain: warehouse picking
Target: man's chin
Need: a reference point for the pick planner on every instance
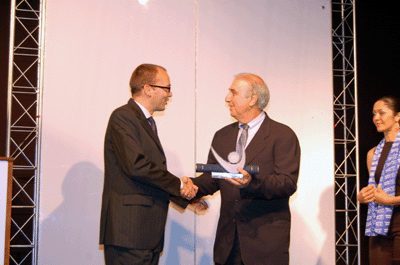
(160, 109)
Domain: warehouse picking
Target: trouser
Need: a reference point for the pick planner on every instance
(235, 257)
(115, 255)
(385, 250)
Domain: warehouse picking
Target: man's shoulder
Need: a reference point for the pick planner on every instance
(126, 109)
(124, 114)
(280, 127)
(278, 130)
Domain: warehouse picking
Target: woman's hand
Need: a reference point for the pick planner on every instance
(367, 194)
(381, 197)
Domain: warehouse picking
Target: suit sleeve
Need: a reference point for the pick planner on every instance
(125, 138)
(281, 180)
(206, 184)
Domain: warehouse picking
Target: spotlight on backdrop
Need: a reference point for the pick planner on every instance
(143, 2)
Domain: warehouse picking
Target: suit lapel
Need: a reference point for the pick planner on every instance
(145, 124)
(258, 143)
(229, 142)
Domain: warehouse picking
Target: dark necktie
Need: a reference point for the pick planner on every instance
(241, 144)
(153, 125)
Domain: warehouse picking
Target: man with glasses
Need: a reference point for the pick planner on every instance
(137, 184)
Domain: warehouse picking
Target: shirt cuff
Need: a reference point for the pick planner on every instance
(181, 184)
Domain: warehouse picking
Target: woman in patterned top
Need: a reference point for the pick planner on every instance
(383, 191)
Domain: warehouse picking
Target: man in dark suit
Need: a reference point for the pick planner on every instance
(254, 222)
(137, 184)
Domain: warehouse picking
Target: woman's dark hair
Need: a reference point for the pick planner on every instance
(392, 103)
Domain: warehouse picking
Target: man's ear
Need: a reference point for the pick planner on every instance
(254, 99)
(147, 91)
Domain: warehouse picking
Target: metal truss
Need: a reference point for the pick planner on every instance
(345, 132)
(23, 125)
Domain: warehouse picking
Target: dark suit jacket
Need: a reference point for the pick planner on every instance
(259, 212)
(137, 185)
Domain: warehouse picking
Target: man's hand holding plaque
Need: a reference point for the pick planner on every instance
(232, 171)
(240, 182)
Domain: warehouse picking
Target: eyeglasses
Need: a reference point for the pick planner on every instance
(165, 88)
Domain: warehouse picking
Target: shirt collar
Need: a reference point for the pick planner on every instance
(256, 121)
(144, 110)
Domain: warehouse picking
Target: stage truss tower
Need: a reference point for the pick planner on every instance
(24, 124)
(345, 132)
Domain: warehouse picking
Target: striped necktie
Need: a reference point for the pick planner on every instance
(153, 125)
(241, 144)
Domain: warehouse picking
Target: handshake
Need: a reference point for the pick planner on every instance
(188, 192)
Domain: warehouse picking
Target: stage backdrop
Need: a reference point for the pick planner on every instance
(93, 46)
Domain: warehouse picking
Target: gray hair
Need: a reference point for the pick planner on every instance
(257, 86)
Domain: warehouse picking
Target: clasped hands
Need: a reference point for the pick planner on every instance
(188, 192)
(370, 193)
